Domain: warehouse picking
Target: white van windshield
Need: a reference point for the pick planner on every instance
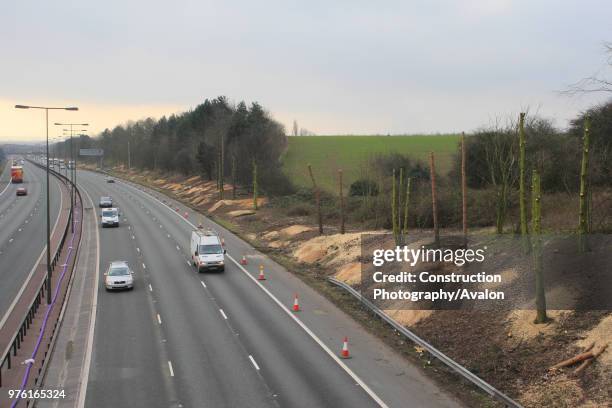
(108, 213)
(210, 249)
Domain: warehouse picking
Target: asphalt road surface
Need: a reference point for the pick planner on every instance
(23, 228)
(183, 339)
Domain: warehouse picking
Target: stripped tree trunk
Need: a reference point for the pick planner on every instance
(341, 201)
(536, 231)
(233, 177)
(405, 229)
(317, 199)
(394, 209)
(220, 171)
(522, 193)
(583, 226)
(400, 199)
(254, 185)
(464, 191)
(434, 198)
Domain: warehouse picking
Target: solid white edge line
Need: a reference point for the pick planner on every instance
(171, 369)
(38, 261)
(223, 314)
(203, 284)
(254, 362)
(337, 359)
(92, 322)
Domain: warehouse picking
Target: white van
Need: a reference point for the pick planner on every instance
(110, 217)
(207, 253)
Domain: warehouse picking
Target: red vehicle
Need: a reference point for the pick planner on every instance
(22, 191)
(17, 174)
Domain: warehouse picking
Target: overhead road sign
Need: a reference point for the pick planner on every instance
(91, 152)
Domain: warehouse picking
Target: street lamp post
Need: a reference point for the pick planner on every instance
(73, 158)
(47, 109)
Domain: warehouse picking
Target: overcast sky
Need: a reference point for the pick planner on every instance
(336, 66)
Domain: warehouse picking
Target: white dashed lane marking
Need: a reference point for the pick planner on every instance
(171, 369)
(254, 362)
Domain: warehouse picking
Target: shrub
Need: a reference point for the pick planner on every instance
(363, 187)
(299, 210)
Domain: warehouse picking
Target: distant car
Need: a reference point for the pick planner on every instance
(22, 191)
(119, 276)
(110, 180)
(106, 202)
(110, 217)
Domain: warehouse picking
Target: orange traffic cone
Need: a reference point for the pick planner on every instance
(261, 274)
(243, 261)
(296, 304)
(345, 351)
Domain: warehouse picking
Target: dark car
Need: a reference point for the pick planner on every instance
(110, 180)
(22, 191)
(106, 202)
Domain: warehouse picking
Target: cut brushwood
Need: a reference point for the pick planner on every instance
(578, 358)
(589, 361)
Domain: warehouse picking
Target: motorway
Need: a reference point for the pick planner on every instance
(183, 339)
(23, 228)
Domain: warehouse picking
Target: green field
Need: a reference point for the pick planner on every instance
(327, 154)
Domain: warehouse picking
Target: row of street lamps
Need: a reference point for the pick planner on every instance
(72, 192)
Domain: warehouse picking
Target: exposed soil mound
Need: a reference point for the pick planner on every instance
(350, 273)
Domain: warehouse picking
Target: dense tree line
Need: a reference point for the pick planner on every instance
(214, 138)
(492, 152)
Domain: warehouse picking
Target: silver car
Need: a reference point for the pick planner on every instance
(119, 276)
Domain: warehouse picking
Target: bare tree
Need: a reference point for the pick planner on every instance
(596, 82)
(500, 159)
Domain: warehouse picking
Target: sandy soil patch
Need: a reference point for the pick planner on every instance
(278, 244)
(173, 186)
(600, 335)
(295, 230)
(311, 252)
(408, 317)
(339, 249)
(243, 204)
(521, 323)
(218, 205)
(350, 273)
(272, 235)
